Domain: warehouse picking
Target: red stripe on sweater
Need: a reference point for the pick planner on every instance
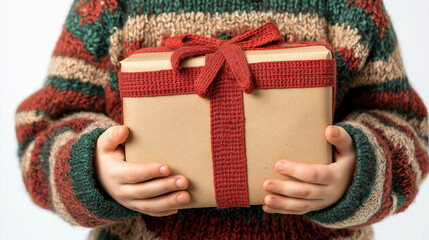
(54, 102)
(131, 47)
(65, 190)
(235, 226)
(114, 105)
(348, 56)
(375, 8)
(72, 47)
(36, 183)
(406, 177)
(409, 102)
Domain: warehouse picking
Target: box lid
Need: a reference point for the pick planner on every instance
(155, 61)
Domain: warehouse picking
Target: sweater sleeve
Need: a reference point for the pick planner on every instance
(57, 127)
(383, 114)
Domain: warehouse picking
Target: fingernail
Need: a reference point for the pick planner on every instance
(281, 166)
(266, 208)
(335, 132)
(271, 201)
(163, 170)
(270, 187)
(180, 198)
(115, 132)
(179, 183)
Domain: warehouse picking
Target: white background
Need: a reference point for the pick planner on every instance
(28, 33)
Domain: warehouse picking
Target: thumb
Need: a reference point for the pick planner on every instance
(339, 137)
(112, 137)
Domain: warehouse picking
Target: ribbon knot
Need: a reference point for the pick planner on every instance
(218, 52)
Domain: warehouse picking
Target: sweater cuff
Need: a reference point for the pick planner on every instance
(97, 207)
(356, 206)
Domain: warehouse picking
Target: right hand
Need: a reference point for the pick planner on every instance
(144, 187)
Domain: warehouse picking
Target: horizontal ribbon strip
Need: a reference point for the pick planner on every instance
(266, 75)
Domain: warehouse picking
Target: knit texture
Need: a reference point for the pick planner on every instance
(58, 125)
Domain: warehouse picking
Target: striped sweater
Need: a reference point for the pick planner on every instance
(57, 127)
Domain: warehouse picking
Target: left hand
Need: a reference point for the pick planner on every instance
(321, 186)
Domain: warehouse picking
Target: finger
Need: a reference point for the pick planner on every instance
(339, 137)
(162, 203)
(155, 187)
(130, 172)
(111, 138)
(292, 204)
(311, 173)
(162, 214)
(295, 189)
(268, 209)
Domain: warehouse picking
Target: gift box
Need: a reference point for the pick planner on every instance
(223, 112)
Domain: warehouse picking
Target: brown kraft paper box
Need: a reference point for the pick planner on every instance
(284, 123)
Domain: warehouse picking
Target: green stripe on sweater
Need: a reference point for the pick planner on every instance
(113, 81)
(86, 88)
(398, 190)
(382, 48)
(84, 184)
(361, 187)
(344, 77)
(399, 85)
(94, 35)
(136, 7)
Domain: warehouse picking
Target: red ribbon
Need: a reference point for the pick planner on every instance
(218, 52)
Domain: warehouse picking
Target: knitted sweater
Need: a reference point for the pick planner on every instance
(58, 126)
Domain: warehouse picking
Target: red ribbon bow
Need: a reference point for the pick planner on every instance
(218, 51)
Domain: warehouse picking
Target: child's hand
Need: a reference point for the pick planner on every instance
(321, 186)
(142, 187)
